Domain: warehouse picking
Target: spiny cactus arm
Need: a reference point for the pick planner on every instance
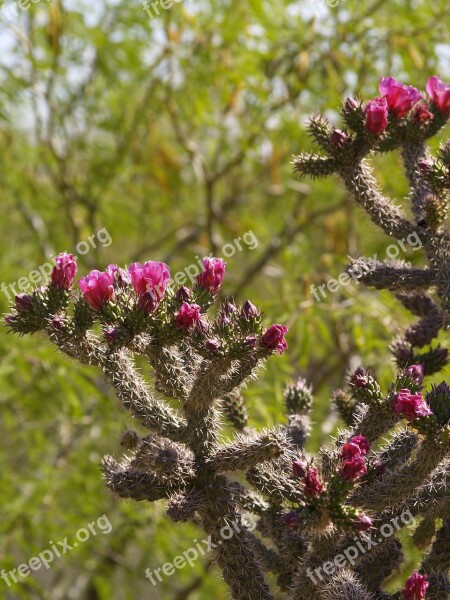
(346, 405)
(137, 398)
(236, 555)
(274, 484)
(247, 499)
(184, 505)
(412, 152)
(439, 557)
(397, 485)
(135, 484)
(391, 275)
(298, 430)
(425, 531)
(344, 585)
(248, 450)
(314, 165)
(360, 182)
(439, 587)
(235, 410)
(378, 564)
(170, 372)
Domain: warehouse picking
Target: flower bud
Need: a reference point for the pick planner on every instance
(23, 302)
(338, 138)
(299, 467)
(210, 279)
(212, 345)
(415, 587)
(415, 372)
(362, 522)
(183, 294)
(249, 310)
(63, 274)
(273, 338)
(188, 315)
(376, 116)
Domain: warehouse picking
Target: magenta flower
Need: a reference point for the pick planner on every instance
(97, 288)
(273, 338)
(415, 372)
(64, 272)
(23, 302)
(362, 442)
(400, 97)
(439, 93)
(412, 406)
(188, 315)
(149, 281)
(362, 522)
(210, 279)
(353, 468)
(415, 587)
(313, 485)
(350, 450)
(376, 115)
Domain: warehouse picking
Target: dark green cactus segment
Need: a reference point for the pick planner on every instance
(439, 401)
(298, 397)
(235, 410)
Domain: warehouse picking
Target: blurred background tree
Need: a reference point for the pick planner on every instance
(175, 134)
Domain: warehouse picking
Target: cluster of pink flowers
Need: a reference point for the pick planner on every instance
(411, 406)
(353, 462)
(399, 99)
(416, 587)
(310, 477)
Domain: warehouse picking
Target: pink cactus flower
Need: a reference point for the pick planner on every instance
(149, 281)
(362, 442)
(376, 115)
(415, 587)
(313, 485)
(400, 97)
(412, 406)
(64, 272)
(439, 94)
(97, 288)
(273, 338)
(353, 468)
(210, 279)
(188, 315)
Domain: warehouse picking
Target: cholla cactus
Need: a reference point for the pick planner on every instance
(325, 524)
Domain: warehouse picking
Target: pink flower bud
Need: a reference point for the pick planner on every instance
(353, 468)
(249, 310)
(202, 326)
(376, 115)
(64, 272)
(313, 485)
(338, 138)
(400, 97)
(23, 302)
(360, 378)
(299, 467)
(439, 94)
(251, 341)
(421, 114)
(412, 406)
(415, 372)
(183, 294)
(362, 522)
(120, 277)
(149, 281)
(291, 519)
(188, 315)
(351, 104)
(213, 345)
(425, 165)
(229, 308)
(415, 587)
(97, 288)
(58, 323)
(210, 279)
(273, 338)
(362, 442)
(111, 334)
(350, 450)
